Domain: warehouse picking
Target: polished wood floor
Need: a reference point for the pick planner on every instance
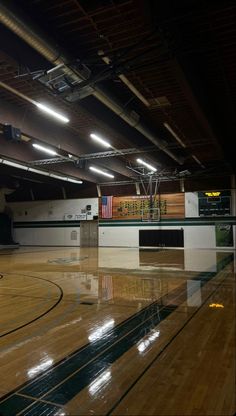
(117, 331)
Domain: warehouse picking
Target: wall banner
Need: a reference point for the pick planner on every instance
(224, 235)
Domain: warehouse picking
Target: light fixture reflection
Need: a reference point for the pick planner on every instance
(39, 368)
(101, 331)
(99, 382)
(60, 413)
(143, 345)
(216, 305)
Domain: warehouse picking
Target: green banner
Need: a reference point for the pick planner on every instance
(224, 235)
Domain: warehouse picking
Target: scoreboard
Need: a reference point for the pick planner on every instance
(212, 203)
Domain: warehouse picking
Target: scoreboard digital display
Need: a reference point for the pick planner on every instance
(212, 203)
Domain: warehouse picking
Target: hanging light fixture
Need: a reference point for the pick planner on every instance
(101, 172)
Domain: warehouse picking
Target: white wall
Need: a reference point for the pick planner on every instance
(50, 236)
(199, 236)
(125, 236)
(57, 210)
(195, 236)
(191, 204)
(52, 210)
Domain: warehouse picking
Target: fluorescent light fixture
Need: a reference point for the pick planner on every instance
(101, 172)
(51, 112)
(74, 180)
(198, 161)
(38, 171)
(141, 161)
(62, 178)
(167, 126)
(44, 149)
(14, 164)
(100, 140)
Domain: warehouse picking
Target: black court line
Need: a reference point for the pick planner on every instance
(36, 387)
(42, 314)
(58, 363)
(161, 352)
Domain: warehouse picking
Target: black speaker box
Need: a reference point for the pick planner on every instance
(11, 133)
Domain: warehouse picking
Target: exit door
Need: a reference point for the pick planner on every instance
(88, 233)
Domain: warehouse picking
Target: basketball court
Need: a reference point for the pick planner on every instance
(117, 208)
(82, 335)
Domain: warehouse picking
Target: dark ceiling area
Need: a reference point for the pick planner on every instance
(156, 80)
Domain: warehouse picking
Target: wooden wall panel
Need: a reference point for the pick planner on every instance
(132, 207)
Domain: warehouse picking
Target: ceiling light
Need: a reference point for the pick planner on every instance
(44, 149)
(101, 172)
(62, 178)
(38, 171)
(146, 165)
(65, 178)
(14, 164)
(167, 126)
(73, 180)
(100, 140)
(198, 161)
(52, 113)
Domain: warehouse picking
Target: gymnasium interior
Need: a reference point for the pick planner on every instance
(117, 207)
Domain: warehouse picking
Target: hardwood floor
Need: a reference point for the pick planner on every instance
(117, 331)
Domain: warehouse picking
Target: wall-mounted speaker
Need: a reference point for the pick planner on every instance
(11, 133)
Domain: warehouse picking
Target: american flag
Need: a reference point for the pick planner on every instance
(107, 206)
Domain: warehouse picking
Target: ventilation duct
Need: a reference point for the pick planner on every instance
(47, 48)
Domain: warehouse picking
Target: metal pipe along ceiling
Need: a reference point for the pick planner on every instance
(46, 47)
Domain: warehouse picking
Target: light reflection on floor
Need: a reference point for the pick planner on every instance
(116, 314)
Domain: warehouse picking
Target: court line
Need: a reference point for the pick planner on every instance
(65, 359)
(44, 301)
(44, 396)
(41, 315)
(205, 277)
(162, 350)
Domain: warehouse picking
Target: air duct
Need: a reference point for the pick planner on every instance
(46, 47)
